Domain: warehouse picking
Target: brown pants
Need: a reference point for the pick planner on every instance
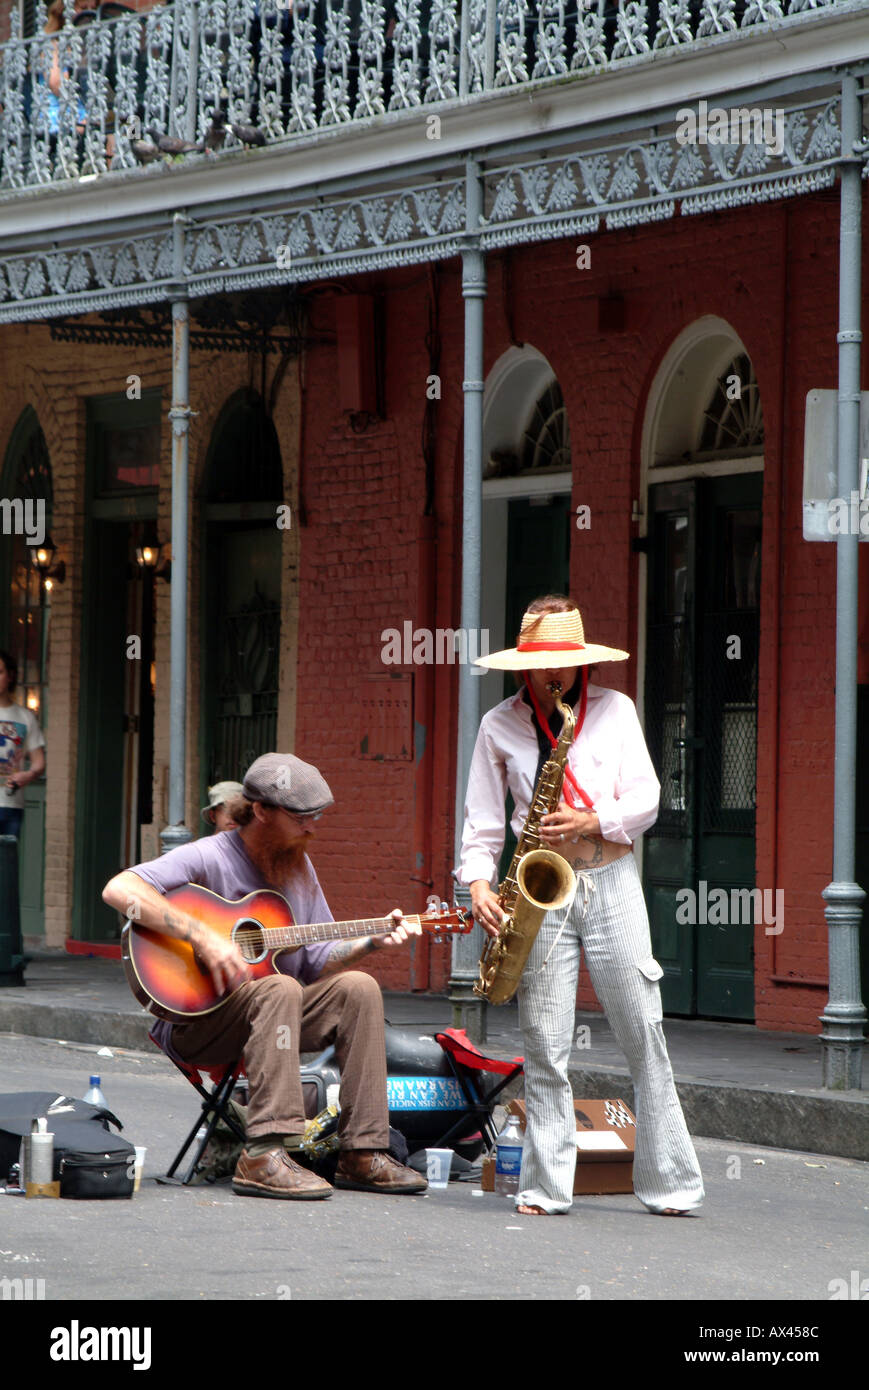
(271, 1021)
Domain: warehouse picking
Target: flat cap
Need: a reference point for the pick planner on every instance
(284, 780)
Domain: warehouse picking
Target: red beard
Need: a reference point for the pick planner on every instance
(280, 865)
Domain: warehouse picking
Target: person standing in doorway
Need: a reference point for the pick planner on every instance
(20, 738)
(218, 812)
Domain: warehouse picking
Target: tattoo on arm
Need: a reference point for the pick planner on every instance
(344, 949)
(178, 924)
(349, 950)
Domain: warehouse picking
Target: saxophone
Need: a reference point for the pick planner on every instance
(538, 880)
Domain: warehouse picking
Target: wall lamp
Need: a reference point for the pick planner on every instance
(155, 559)
(42, 559)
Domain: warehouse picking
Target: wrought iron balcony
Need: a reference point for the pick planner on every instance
(74, 102)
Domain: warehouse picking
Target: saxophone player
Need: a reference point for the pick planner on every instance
(609, 796)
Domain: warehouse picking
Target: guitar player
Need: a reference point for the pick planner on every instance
(315, 1001)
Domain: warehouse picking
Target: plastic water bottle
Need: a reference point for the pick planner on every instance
(93, 1095)
(508, 1158)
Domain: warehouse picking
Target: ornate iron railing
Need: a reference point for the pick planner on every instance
(74, 102)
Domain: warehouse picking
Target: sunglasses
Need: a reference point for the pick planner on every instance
(300, 816)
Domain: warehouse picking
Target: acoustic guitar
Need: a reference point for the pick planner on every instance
(167, 977)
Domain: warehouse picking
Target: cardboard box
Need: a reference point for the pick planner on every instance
(605, 1137)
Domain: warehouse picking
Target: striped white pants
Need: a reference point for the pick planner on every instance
(609, 919)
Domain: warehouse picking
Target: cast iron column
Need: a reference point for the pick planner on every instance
(468, 1010)
(844, 1016)
(176, 832)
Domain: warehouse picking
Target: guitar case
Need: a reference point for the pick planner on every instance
(424, 1096)
(89, 1160)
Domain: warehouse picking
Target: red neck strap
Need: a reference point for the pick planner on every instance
(544, 724)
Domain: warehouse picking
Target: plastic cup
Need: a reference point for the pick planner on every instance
(437, 1166)
(139, 1165)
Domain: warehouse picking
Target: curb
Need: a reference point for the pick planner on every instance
(104, 1027)
(822, 1122)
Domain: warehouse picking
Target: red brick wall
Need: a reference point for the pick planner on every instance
(771, 273)
(364, 495)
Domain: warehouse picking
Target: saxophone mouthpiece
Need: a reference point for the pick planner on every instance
(554, 687)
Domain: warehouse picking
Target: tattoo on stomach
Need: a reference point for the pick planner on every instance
(590, 857)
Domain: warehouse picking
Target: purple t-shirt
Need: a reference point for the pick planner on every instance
(221, 863)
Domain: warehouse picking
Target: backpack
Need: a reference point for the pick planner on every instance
(89, 1160)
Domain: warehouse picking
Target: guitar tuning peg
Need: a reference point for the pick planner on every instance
(445, 907)
(431, 903)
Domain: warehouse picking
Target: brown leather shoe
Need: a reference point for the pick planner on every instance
(274, 1174)
(369, 1170)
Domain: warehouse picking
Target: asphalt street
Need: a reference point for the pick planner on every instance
(776, 1224)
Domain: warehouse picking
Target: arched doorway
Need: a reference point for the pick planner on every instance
(242, 488)
(527, 482)
(702, 486)
(115, 805)
(25, 615)
(526, 497)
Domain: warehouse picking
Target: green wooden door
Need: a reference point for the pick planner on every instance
(538, 558)
(100, 784)
(240, 671)
(538, 562)
(701, 727)
(861, 838)
(31, 861)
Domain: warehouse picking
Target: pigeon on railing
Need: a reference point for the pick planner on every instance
(144, 151)
(169, 144)
(247, 134)
(215, 135)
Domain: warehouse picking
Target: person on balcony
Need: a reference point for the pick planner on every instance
(53, 25)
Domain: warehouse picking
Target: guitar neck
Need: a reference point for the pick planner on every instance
(276, 937)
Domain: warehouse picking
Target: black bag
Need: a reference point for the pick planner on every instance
(89, 1160)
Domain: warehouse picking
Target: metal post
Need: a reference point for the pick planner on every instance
(844, 1015)
(491, 36)
(464, 49)
(176, 833)
(468, 1010)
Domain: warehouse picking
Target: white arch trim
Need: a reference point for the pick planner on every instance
(694, 360)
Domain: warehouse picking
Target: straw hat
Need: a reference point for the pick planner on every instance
(551, 640)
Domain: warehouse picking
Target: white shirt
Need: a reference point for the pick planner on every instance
(19, 734)
(608, 758)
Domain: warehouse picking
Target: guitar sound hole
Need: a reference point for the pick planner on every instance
(248, 937)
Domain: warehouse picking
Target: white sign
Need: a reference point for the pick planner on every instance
(598, 1139)
(826, 515)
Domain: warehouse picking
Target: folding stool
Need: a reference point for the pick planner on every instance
(469, 1066)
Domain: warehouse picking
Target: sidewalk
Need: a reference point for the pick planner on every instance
(734, 1082)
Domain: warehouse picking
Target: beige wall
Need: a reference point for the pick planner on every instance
(55, 379)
